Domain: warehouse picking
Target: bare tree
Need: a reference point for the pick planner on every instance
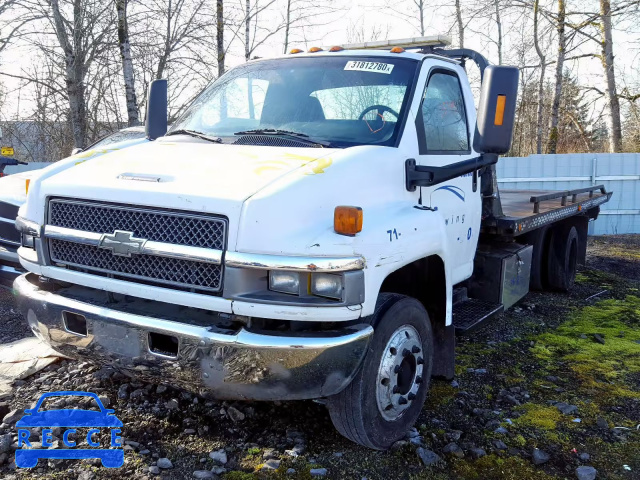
(557, 93)
(127, 63)
(80, 40)
(459, 23)
(541, 56)
(606, 56)
(220, 36)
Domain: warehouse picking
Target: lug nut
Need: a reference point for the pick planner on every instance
(402, 401)
(418, 379)
(396, 369)
(406, 352)
(396, 389)
(420, 361)
(415, 349)
(411, 396)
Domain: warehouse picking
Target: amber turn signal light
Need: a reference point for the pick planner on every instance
(500, 104)
(26, 185)
(347, 220)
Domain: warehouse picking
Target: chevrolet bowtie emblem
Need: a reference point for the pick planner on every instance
(122, 243)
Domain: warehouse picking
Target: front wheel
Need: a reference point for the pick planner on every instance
(386, 396)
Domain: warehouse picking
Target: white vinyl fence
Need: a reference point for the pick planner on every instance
(618, 172)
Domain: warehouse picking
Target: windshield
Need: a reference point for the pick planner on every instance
(338, 101)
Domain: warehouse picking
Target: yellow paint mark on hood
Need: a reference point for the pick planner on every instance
(317, 166)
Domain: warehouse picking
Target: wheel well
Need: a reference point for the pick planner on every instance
(424, 280)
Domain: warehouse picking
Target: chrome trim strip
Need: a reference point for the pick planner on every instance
(70, 235)
(296, 264)
(160, 249)
(27, 226)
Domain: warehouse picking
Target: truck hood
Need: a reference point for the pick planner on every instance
(187, 175)
(13, 187)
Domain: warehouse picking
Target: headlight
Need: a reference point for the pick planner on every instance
(284, 282)
(327, 285)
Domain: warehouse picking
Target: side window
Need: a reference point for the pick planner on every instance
(443, 116)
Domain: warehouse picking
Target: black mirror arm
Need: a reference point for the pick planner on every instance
(423, 176)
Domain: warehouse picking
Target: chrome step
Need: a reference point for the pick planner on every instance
(470, 314)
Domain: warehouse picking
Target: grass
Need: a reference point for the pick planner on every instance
(538, 416)
(600, 369)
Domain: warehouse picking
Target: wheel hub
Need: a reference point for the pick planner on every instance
(400, 373)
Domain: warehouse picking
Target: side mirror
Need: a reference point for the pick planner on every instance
(156, 121)
(496, 110)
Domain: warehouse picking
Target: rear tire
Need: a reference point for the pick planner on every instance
(386, 396)
(562, 258)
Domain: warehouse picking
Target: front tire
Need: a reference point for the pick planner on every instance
(386, 396)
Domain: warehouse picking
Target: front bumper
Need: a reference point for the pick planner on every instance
(227, 364)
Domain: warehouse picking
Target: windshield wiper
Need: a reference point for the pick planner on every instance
(193, 133)
(285, 133)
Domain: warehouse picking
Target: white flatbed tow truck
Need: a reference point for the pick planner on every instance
(315, 226)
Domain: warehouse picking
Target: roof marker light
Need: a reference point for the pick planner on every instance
(315, 49)
(397, 50)
(294, 51)
(337, 48)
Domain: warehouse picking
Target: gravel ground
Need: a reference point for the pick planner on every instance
(549, 390)
(14, 326)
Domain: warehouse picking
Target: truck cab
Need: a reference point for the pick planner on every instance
(304, 231)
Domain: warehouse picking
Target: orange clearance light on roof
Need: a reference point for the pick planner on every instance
(295, 50)
(397, 50)
(26, 185)
(336, 49)
(347, 220)
(500, 104)
(315, 49)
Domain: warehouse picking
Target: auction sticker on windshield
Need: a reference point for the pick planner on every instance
(378, 67)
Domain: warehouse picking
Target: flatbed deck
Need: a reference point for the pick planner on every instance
(526, 210)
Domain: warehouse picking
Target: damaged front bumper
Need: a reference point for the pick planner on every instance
(222, 363)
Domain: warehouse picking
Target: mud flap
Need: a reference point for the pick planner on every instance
(444, 351)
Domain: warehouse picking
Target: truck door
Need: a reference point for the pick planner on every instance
(443, 124)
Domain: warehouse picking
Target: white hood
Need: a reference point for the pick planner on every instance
(13, 188)
(187, 175)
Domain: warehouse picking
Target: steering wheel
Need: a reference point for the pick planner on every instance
(380, 109)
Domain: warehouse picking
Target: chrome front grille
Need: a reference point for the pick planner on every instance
(168, 227)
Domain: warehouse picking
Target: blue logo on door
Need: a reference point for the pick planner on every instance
(71, 419)
(457, 191)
